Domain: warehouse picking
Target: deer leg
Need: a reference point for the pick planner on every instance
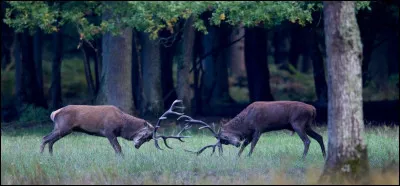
(114, 142)
(45, 140)
(301, 132)
(318, 138)
(254, 141)
(244, 145)
(55, 139)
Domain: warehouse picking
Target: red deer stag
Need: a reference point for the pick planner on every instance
(107, 121)
(260, 117)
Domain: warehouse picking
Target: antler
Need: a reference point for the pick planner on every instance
(205, 125)
(163, 117)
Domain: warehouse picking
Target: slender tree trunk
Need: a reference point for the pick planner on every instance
(37, 56)
(221, 87)
(347, 153)
(167, 52)
(56, 71)
(97, 65)
(215, 87)
(88, 72)
(321, 88)
(137, 79)
(116, 80)
(198, 49)
(6, 39)
(257, 65)
(209, 42)
(281, 44)
(184, 91)
(153, 103)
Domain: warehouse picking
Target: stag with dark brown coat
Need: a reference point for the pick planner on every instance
(106, 121)
(260, 117)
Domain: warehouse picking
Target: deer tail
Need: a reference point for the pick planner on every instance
(314, 116)
(53, 114)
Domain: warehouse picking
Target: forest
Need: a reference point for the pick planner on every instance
(218, 58)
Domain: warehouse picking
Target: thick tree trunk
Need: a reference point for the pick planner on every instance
(347, 153)
(153, 103)
(56, 71)
(116, 80)
(184, 91)
(257, 65)
(235, 54)
(167, 52)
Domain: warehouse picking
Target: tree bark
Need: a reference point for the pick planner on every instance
(184, 91)
(235, 57)
(153, 103)
(56, 71)
(257, 65)
(116, 80)
(347, 159)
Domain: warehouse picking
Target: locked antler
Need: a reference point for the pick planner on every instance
(163, 117)
(188, 120)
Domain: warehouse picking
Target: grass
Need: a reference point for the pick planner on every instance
(83, 159)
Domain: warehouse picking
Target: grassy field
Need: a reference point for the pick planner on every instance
(83, 159)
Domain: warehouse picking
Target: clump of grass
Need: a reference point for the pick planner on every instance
(83, 159)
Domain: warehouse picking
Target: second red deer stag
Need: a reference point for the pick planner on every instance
(260, 117)
(106, 121)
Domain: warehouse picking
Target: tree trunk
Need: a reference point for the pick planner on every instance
(56, 71)
(6, 39)
(167, 56)
(281, 44)
(88, 72)
(137, 80)
(221, 87)
(116, 80)
(215, 83)
(37, 57)
(27, 87)
(153, 103)
(347, 153)
(235, 57)
(257, 65)
(321, 89)
(184, 91)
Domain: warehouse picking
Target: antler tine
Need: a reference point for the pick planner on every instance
(163, 117)
(218, 144)
(191, 120)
